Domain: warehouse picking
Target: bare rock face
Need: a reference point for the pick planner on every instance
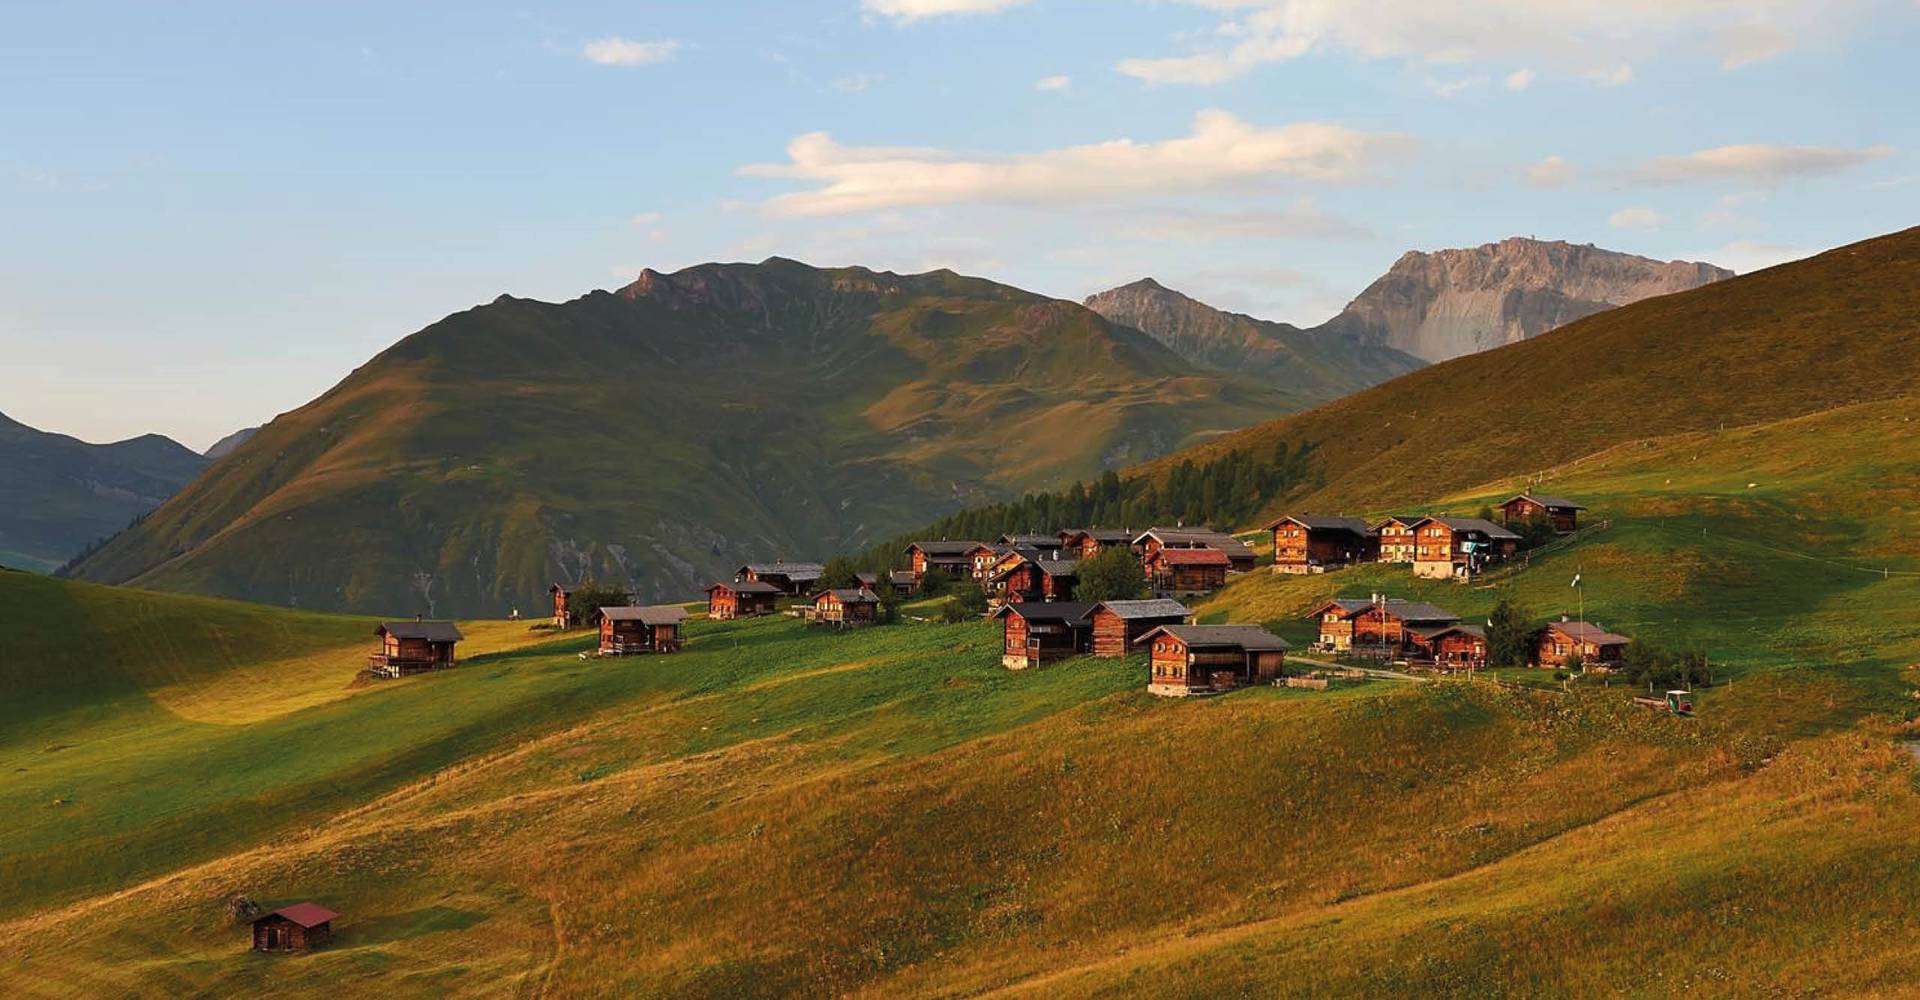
(1448, 303)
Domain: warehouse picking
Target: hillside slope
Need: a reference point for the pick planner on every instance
(59, 494)
(1450, 303)
(1316, 365)
(1800, 338)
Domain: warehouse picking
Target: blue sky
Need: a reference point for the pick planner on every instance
(213, 212)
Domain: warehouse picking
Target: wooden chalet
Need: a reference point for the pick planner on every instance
(561, 594)
(903, 583)
(1085, 543)
(1240, 558)
(741, 599)
(846, 607)
(300, 927)
(1116, 628)
(1456, 547)
(794, 579)
(959, 560)
(1447, 647)
(1027, 575)
(1395, 538)
(1196, 659)
(1563, 640)
(1311, 543)
(1187, 571)
(1564, 514)
(627, 631)
(413, 647)
(1376, 627)
(1034, 634)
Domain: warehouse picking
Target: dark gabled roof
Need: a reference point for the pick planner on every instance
(1431, 632)
(790, 570)
(1480, 524)
(850, 595)
(657, 615)
(1194, 557)
(1047, 611)
(1036, 538)
(1325, 522)
(1058, 567)
(1589, 632)
(1554, 503)
(1247, 637)
(946, 548)
(1156, 608)
(430, 631)
(1406, 519)
(1101, 535)
(307, 915)
(867, 579)
(745, 587)
(900, 576)
(1406, 611)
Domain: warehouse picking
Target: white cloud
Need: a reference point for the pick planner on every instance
(1757, 162)
(645, 218)
(1747, 256)
(613, 51)
(856, 83)
(1221, 150)
(1520, 79)
(1301, 220)
(1551, 172)
(1053, 83)
(1454, 88)
(903, 11)
(1596, 39)
(1639, 217)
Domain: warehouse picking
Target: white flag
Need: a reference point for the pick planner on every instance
(1576, 581)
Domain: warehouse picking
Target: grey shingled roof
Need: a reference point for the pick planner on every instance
(946, 548)
(1480, 524)
(1102, 535)
(430, 631)
(1049, 611)
(656, 615)
(1058, 567)
(1546, 501)
(851, 595)
(1248, 637)
(747, 587)
(1326, 522)
(1406, 611)
(1431, 631)
(1157, 608)
(1589, 632)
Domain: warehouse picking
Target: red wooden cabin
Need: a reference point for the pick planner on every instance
(741, 599)
(300, 927)
(413, 647)
(1117, 627)
(1375, 626)
(1196, 659)
(846, 607)
(1447, 647)
(1025, 575)
(1311, 543)
(1085, 543)
(1034, 634)
(1240, 558)
(1448, 547)
(1562, 513)
(1595, 646)
(1395, 537)
(794, 578)
(626, 631)
(962, 560)
(1187, 571)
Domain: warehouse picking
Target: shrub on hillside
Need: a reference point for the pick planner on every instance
(585, 602)
(934, 583)
(1510, 640)
(1649, 665)
(965, 606)
(838, 574)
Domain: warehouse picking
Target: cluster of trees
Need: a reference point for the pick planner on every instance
(586, 600)
(1665, 669)
(1225, 491)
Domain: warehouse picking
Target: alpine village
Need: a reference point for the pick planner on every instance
(960, 499)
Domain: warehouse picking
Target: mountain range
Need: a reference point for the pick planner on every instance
(1428, 307)
(58, 493)
(661, 435)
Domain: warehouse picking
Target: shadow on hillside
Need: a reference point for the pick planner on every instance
(392, 927)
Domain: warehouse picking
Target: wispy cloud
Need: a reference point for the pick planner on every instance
(1595, 39)
(1050, 83)
(615, 51)
(1519, 79)
(1757, 162)
(1747, 256)
(1550, 172)
(1221, 149)
(1639, 217)
(904, 11)
(857, 83)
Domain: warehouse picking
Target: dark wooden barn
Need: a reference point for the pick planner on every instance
(793, 578)
(1036, 633)
(1562, 641)
(1117, 627)
(741, 599)
(1187, 571)
(1449, 547)
(846, 607)
(1562, 513)
(1312, 543)
(413, 647)
(626, 631)
(1197, 659)
(300, 927)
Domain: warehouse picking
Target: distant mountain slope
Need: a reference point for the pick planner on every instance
(665, 434)
(58, 494)
(1799, 338)
(1322, 366)
(231, 443)
(1449, 303)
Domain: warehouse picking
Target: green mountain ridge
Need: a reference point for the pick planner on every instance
(662, 434)
(58, 493)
